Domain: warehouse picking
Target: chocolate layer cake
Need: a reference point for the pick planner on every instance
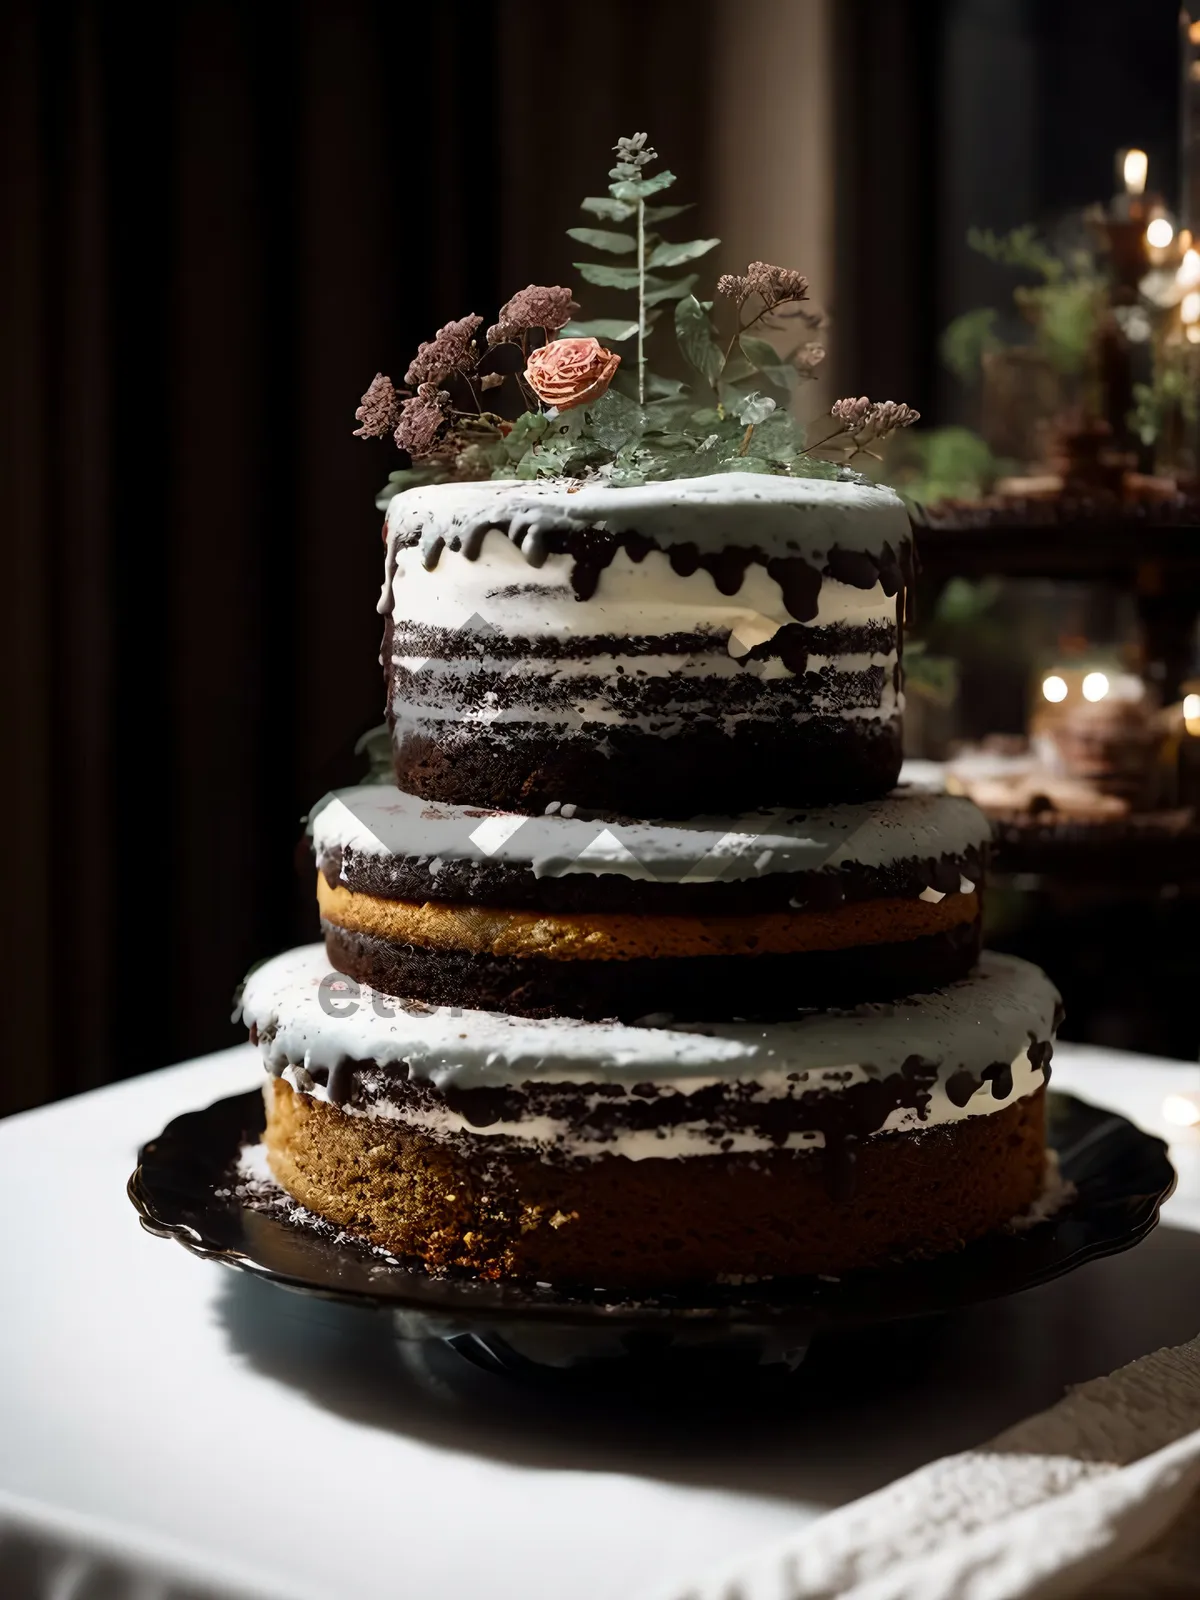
(707, 645)
(616, 1155)
(761, 915)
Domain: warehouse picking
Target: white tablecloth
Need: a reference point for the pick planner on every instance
(169, 1428)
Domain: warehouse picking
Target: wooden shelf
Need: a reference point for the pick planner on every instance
(1133, 551)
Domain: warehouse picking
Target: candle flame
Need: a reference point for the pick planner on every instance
(1134, 170)
(1188, 274)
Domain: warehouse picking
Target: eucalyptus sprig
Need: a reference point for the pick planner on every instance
(653, 255)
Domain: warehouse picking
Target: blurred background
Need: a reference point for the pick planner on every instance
(221, 220)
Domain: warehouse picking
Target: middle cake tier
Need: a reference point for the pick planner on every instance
(759, 916)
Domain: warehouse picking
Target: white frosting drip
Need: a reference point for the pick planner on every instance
(545, 1134)
(379, 820)
(307, 1016)
(780, 515)
(634, 599)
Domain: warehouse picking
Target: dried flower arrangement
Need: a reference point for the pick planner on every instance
(585, 410)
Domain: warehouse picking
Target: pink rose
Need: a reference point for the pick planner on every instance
(570, 372)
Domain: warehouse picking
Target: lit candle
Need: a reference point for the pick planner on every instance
(1134, 169)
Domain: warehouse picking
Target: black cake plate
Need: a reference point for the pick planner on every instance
(184, 1189)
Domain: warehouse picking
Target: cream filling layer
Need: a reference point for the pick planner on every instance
(616, 667)
(546, 1135)
(598, 713)
(633, 599)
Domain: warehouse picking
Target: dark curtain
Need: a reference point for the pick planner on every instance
(219, 220)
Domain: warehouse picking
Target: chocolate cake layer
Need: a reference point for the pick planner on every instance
(706, 644)
(616, 1223)
(379, 841)
(605, 965)
(678, 773)
(684, 988)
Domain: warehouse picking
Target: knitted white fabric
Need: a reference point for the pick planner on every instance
(1097, 1497)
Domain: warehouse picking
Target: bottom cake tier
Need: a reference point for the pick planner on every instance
(614, 1155)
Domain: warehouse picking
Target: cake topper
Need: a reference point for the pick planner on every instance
(585, 410)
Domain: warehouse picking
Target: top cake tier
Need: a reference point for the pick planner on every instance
(683, 647)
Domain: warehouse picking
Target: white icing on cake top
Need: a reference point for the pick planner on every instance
(379, 820)
(799, 516)
(309, 1016)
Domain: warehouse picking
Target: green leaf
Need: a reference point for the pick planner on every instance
(736, 368)
(665, 213)
(966, 340)
(754, 408)
(603, 205)
(674, 255)
(778, 438)
(670, 291)
(659, 388)
(696, 342)
(764, 358)
(603, 239)
(607, 277)
(615, 421)
(640, 188)
(600, 328)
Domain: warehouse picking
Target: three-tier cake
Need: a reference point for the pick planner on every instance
(645, 973)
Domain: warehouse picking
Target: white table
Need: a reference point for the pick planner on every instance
(162, 1415)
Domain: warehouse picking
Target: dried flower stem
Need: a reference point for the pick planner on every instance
(746, 437)
(742, 327)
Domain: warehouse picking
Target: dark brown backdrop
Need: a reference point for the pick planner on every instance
(218, 221)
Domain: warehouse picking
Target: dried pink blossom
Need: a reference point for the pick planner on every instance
(536, 306)
(851, 413)
(491, 380)
(571, 372)
(809, 356)
(776, 285)
(888, 415)
(452, 350)
(379, 409)
(735, 285)
(421, 420)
